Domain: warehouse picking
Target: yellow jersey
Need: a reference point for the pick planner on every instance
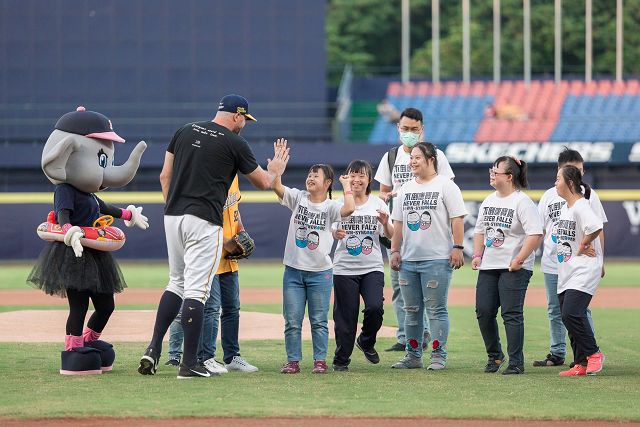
(230, 225)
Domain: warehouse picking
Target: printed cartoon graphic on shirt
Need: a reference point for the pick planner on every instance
(496, 220)
(313, 240)
(357, 226)
(420, 202)
(367, 245)
(566, 233)
(308, 221)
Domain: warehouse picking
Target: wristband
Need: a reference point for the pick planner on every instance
(125, 214)
(458, 247)
(392, 252)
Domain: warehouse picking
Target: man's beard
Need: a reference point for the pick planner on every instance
(237, 130)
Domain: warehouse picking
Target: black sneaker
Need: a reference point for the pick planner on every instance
(551, 360)
(513, 370)
(493, 365)
(196, 371)
(340, 368)
(396, 347)
(172, 362)
(149, 362)
(370, 353)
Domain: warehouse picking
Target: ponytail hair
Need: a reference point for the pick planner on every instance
(573, 177)
(516, 168)
(429, 151)
(328, 173)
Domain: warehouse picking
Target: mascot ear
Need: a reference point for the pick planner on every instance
(55, 161)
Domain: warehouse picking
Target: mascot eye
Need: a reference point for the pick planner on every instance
(102, 159)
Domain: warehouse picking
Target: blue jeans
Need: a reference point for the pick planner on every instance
(398, 308)
(299, 288)
(558, 333)
(425, 287)
(225, 294)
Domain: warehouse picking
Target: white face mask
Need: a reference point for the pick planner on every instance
(409, 139)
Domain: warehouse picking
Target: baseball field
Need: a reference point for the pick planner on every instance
(32, 330)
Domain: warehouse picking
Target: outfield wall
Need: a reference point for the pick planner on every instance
(267, 222)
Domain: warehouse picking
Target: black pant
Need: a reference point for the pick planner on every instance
(346, 304)
(573, 306)
(501, 288)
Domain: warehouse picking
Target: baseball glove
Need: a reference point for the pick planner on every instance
(244, 246)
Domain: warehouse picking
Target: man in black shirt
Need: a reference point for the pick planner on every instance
(200, 163)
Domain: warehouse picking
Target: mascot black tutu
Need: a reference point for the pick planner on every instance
(78, 159)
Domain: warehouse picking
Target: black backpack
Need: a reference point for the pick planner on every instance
(391, 160)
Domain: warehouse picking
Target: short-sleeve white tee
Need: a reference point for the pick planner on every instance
(426, 211)
(359, 251)
(402, 172)
(505, 223)
(581, 273)
(309, 239)
(549, 208)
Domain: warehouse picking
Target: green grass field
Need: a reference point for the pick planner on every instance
(31, 387)
(269, 275)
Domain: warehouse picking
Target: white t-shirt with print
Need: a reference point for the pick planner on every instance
(549, 208)
(402, 172)
(582, 272)
(426, 211)
(359, 251)
(505, 223)
(309, 239)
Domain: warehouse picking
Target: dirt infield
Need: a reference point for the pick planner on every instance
(604, 298)
(306, 422)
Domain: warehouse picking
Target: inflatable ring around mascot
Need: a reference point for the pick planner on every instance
(101, 236)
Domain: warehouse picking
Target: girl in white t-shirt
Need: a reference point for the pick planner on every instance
(358, 269)
(308, 274)
(426, 246)
(579, 269)
(508, 230)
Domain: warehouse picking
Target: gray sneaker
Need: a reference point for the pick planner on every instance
(408, 362)
(437, 363)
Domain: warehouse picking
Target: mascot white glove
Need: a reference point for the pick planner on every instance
(137, 218)
(72, 238)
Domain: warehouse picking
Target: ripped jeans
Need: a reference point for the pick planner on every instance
(425, 286)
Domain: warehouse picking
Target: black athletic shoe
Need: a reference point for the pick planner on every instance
(196, 371)
(513, 370)
(551, 360)
(340, 368)
(149, 362)
(396, 347)
(493, 365)
(172, 362)
(370, 353)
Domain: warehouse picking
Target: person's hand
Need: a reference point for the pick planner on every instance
(345, 180)
(387, 196)
(602, 272)
(72, 238)
(516, 264)
(383, 217)
(339, 234)
(475, 262)
(456, 259)
(137, 219)
(278, 164)
(587, 250)
(395, 261)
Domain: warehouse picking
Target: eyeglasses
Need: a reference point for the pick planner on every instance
(494, 173)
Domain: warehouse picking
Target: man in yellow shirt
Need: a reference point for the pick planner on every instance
(225, 295)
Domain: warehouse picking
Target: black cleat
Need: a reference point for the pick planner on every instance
(397, 347)
(493, 365)
(196, 371)
(370, 353)
(149, 362)
(513, 370)
(551, 360)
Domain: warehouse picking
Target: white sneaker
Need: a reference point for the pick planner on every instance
(239, 364)
(215, 367)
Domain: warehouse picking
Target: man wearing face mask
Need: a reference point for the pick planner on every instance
(392, 173)
(201, 161)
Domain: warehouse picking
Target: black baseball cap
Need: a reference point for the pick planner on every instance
(235, 104)
(88, 123)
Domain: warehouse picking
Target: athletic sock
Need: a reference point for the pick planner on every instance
(168, 309)
(192, 315)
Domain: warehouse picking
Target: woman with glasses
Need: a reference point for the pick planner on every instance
(508, 230)
(426, 247)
